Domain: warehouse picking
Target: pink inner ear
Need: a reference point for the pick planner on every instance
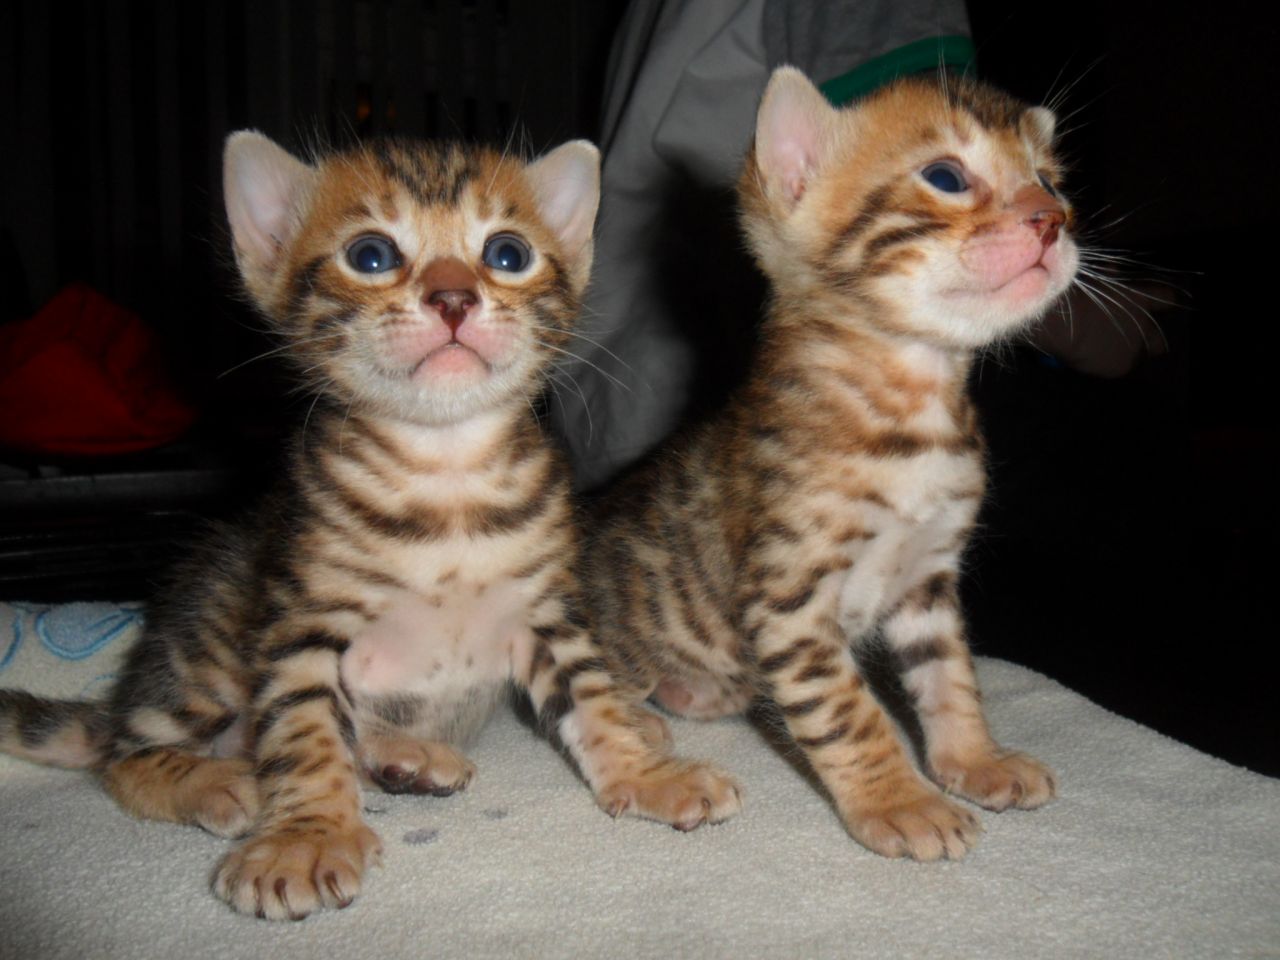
(789, 152)
(260, 215)
(789, 132)
(567, 184)
(262, 183)
(795, 177)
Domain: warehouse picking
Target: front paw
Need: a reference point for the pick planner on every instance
(997, 779)
(917, 822)
(287, 874)
(682, 793)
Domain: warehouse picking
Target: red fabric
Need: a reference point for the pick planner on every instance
(85, 376)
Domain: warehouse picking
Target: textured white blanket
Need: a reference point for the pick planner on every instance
(1152, 850)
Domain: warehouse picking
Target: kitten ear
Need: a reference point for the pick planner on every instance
(566, 182)
(1043, 122)
(264, 187)
(791, 132)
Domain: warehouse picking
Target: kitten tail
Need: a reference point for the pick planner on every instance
(57, 733)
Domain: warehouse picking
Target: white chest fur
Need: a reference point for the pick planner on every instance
(463, 635)
(930, 502)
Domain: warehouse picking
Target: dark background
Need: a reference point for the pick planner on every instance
(1120, 549)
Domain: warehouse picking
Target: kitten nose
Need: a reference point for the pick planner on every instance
(449, 286)
(1046, 224)
(453, 305)
(1041, 211)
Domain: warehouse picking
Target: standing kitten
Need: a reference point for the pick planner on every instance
(419, 555)
(831, 501)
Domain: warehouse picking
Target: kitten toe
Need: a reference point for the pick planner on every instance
(997, 780)
(289, 875)
(412, 766)
(924, 826)
(681, 793)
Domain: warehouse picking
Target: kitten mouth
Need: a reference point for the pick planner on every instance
(452, 359)
(1038, 272)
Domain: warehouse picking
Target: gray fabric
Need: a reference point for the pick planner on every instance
(683, 82)
(1152, 850)
(833, 37)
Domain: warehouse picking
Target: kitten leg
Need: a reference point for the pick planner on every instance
(163, 761)
(852, 745)
(926, 634)
(611, 738)
(163, 783)
(655, 731)
(310, 848)
(402, 764)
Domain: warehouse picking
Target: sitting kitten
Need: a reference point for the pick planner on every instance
(829, 504)
(419, 554)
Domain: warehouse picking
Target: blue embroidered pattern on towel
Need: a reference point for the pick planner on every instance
(15, 638)
(76, 647)
(74, 631)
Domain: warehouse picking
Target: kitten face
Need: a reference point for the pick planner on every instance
(420, 281)
(939, 206)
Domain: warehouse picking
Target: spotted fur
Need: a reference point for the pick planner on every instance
(419, 555)
(826, 509)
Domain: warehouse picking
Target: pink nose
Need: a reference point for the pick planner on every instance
(1041, 211)
(1046, 224)
(453, 305)
(449, 286)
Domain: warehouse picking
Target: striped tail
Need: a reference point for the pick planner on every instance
(58, 733)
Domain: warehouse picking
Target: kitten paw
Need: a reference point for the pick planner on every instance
(925, 826)
(288, 874)
(997, 780)
(227, 800)
(415, 766)
(681, 793)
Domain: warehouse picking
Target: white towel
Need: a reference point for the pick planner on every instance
(1152, 850)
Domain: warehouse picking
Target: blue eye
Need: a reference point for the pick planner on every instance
(373, 254)
(505, 251)
(1048, 187)
(945, 176)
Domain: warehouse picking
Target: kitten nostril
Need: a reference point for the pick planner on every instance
(453, 305)
(1046, 224)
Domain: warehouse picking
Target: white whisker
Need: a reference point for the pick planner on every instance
(583, 360)
(595, 343)
(278, 350)
(307, 419)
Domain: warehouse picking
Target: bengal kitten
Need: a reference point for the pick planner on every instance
(828, 506)
(420, 553)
